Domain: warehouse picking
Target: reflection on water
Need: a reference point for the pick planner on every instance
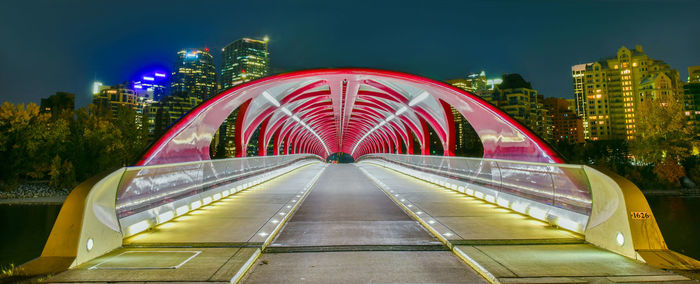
(25, 229)
(679, 221)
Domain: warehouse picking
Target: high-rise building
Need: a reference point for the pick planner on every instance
(566, 125)
(109, 99)
(168, 110)
(151, 86)
(194, 74)
(59, 103)
(694, 74)
(244, 60)
(475, 83)
(577, 73)
(692, 96)
(459, 83)
(467, 142)
(516, 97)
(610, 91)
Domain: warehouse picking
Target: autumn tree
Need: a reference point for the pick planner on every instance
(29, 141)
(663, 136)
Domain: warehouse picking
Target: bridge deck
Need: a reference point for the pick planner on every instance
(347, 230)
(350, 229)
(346, 208)
(514, 248)
(225, 234)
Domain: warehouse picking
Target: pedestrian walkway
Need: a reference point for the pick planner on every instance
(511, 247)
(348, 231)
(212, 244)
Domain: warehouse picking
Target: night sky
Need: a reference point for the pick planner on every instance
(50, 46)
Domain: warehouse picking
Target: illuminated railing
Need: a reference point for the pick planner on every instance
(557, 193)
(154, 194)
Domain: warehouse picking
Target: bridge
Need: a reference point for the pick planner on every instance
(519, 214)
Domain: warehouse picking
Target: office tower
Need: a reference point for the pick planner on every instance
(59, 103)
(244, 60)
(612, 89)
(566, 125)
(459, 83)
(692, 97)
(151, 86)
(109, 99)
(467, 142)
(474, 83)
(194, 74)
(516, 97)
(169, 110)
(577, 73)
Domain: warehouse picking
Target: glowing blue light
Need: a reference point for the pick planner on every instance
(138, 87)
(162, 75)
(147, 78)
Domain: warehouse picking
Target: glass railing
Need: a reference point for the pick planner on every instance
(147, 187)
(559, 185)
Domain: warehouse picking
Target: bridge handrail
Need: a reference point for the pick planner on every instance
(562, 186)
(88, 225)
(612, 218)
(146, 187)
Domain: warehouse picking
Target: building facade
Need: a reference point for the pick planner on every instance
(692, 97)
(59, 103)
(244, 60)
(467, 142)
(109, 99)
(516, 97)
(567, 126)
(194, 74)
(168, 110)
(152, 86)
(609, 91)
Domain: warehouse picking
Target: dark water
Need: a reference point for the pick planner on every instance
(679, 221)
(25, 229)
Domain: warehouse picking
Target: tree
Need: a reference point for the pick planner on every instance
(28, 142)
(663, 136)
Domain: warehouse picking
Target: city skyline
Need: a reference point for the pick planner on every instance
(442, 44)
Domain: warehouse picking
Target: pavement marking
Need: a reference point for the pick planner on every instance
(258, 252)
(461, 255)
(246, 267)
(116, 258)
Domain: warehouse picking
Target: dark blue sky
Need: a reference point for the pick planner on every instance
(50, 46)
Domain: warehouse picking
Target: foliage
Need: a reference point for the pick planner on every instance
(612, 155)
(669, 170)
(664, 137)
(29, 142)
(67, 148)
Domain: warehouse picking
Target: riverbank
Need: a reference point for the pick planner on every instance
(34, 193)
(43, 200)
(672, 192)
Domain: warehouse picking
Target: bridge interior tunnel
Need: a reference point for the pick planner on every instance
(341, 158)
(354, 111)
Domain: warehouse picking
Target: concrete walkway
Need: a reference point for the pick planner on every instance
(346, 209)
(348, 231)
(212, 244)
(358, 224)
(513, 248)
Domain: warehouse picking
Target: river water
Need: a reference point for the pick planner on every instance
(25, 228)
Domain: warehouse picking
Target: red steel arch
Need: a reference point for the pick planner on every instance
(356, 111)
